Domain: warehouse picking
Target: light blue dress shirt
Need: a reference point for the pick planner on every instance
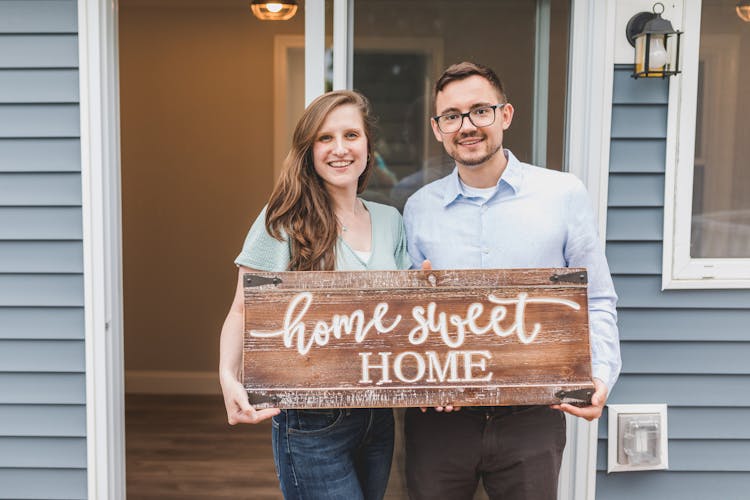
(535, 218)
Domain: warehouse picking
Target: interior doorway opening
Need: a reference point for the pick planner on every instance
(200, 95)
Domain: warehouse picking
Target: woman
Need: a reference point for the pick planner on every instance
(315, 221)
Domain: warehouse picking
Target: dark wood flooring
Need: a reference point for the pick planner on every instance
(181, 447)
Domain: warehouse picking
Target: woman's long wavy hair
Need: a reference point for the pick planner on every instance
(300, 207)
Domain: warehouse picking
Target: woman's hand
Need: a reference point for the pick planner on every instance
(239, 410)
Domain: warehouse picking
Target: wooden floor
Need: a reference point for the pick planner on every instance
(181, 447)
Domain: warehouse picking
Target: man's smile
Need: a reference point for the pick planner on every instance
(469, 141)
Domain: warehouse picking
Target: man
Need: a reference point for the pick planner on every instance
(495, 212)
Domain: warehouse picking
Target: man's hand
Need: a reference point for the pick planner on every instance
(594, 410)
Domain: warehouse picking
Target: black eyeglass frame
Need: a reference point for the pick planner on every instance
(493, 107)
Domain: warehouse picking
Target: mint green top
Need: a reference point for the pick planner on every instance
(388, 250)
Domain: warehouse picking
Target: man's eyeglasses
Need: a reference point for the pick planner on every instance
(479, 117)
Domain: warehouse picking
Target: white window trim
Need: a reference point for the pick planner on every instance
(680, 271)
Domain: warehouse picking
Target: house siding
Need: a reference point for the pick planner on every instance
(42, 368)
(685, 348)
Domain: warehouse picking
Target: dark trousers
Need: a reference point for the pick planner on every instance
(516, 450)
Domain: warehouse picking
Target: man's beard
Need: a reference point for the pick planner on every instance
(473, 162)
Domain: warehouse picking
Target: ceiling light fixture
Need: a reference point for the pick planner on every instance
(274, 10)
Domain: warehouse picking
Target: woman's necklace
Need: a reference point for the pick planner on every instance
(356, 212)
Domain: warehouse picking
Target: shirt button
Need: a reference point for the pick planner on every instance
(484, 208)
(485, 250)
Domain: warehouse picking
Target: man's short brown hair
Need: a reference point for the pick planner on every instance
(464, 70)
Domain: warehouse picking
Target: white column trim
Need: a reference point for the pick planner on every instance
(588, 117)
(589, 106)
(541, 83)
(341, 44)
(102, 269)
(315, 49)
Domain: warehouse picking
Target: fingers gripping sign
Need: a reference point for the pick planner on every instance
(594, 410)
(239, 410)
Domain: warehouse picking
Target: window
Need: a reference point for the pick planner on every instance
(707, 205)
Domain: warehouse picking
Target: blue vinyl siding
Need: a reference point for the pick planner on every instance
(38, 51)
(39, 85)
(686, 348)
(40, 155)
(42, 362)
(22, 483)
(674, 484)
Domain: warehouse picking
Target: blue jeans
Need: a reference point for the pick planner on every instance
(333, 454)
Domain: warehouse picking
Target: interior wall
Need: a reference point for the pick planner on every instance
(196, 85)
(501, 37)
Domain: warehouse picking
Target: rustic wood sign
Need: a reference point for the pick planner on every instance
(416, 338)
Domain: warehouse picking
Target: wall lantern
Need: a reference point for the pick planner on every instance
(657, 44)
(743, 10)
(274, 10)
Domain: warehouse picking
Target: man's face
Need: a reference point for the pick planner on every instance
(470, 145)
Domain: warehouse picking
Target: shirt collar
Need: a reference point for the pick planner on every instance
(512, 177)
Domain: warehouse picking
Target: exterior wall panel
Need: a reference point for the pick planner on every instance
(38, 85)
(40, 155)
(689, 325)
(688, 423)
(41, 223)
(671, 484)
(41, 257)
(42, 420)
(42, 388)
(38, 484)
(41, 189)
(685, 348)
(41, 323)
(38, 51)
(42, 368)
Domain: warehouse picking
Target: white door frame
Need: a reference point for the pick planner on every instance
(102, 255)
(588, 121)
(587, 143)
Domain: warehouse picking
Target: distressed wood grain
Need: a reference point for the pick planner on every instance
(416, 338)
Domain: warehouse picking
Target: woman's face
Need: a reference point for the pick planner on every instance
(340, 148)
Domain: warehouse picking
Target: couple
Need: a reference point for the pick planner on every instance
(491, 212)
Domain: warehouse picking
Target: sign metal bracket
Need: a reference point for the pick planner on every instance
(576, 277)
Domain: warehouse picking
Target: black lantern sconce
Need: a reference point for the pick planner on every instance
(657, 44)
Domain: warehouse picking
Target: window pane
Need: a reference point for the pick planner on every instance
(400, 48)
(721, 181)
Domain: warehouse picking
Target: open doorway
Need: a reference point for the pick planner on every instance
(197, 114)
(203, 114)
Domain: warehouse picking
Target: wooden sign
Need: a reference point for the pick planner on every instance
(416, 338)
